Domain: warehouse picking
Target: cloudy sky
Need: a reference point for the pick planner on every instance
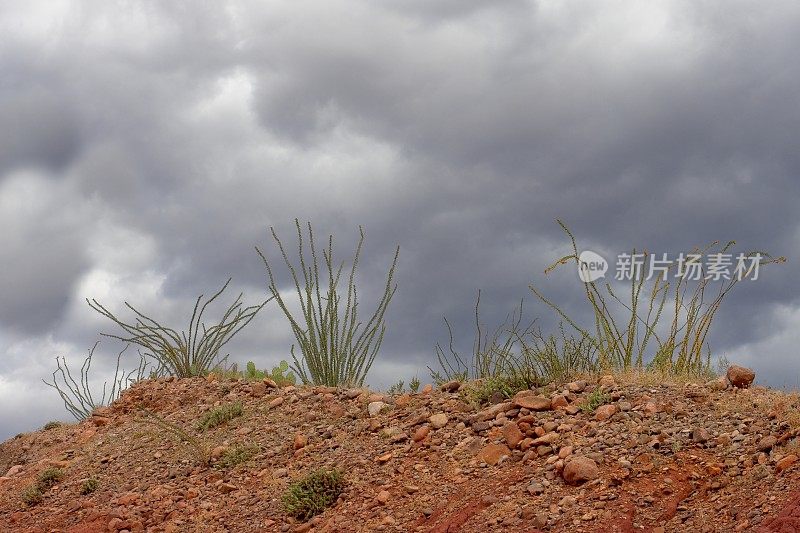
(146, 147)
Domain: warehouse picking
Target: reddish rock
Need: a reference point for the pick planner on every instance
(492, 453)
(527, 400)
(421, 433)
(300, 441)
(451, 386)
(604, 412)
(579, 470)
(785, 463)
(740, 377)
(559, 402)
(512, 434)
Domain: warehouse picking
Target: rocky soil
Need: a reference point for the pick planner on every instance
(655, 457)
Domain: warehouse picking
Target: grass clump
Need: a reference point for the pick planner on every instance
(188, 353)
(337, 348)
(220, 415)
(312, 494)
(662, 323)
(32, 495)
(414, 384)
(49, 477)
(595, 400)
(53, 424)
(237, 454)
(89, 486)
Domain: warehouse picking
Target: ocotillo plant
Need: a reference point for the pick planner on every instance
(336, 347)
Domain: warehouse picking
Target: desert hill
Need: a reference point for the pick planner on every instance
(611, 453)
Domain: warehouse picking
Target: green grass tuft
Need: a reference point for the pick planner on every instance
(311, 495)
(51, 425)
(89, 486)
(220, 415)
(32, 495)
(49, 477)
(595, 400)
(237, 454)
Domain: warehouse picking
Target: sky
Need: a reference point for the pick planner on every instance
(147, 147)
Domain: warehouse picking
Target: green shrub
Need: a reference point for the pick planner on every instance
(188, 353)
(282, 375)
(397, 388)
(252, 373)
(479, 392)
(49, 477)
(32, 495)
(337, 349)
(237, 454)
(53, 424)
(413, 385)
(311, 495)
(89, 486)
(595, 400)
(220, 415)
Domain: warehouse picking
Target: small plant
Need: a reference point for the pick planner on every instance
(49, 477)
(220, 415)
(32, 495)
(77, 394)
(252, 373)
(282, 375)
(202, 453)
(677, 446)
(53, 424)
(595, 400)
(397, 388)
(311, 495)
(337, 349)
(188, 353)
(237, 454)
(480, 392)
(414, 384)
(89, 486)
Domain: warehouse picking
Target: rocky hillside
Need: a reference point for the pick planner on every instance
(624, 453)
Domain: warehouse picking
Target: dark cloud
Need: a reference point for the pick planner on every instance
(145, 149)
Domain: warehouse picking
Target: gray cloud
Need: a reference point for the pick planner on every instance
(146, 148)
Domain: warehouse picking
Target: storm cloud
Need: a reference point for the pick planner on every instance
(146, 148)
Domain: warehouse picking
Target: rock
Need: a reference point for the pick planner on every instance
(353, 393)
(701, 435)
(607, 381)
(439, 420)
(225, 488)
(451, 386)
(300, 441)
(427, 389)
(257, 390)
(785, 463)
(275, 402)
(767, 443)
(512, 434)
(491, 454)
(548, 438)
(403, 400)
(579, 470)
(604, 412)
(535, 489)
(719, 384)
(491, 412)
(218, 452)
(740, 377)
(577, 386)
(526, 400)
(421, 433)
(280, 472)
(270, 383)
(383, 497)
(559, 402)
(14, 470)
(374, 408)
